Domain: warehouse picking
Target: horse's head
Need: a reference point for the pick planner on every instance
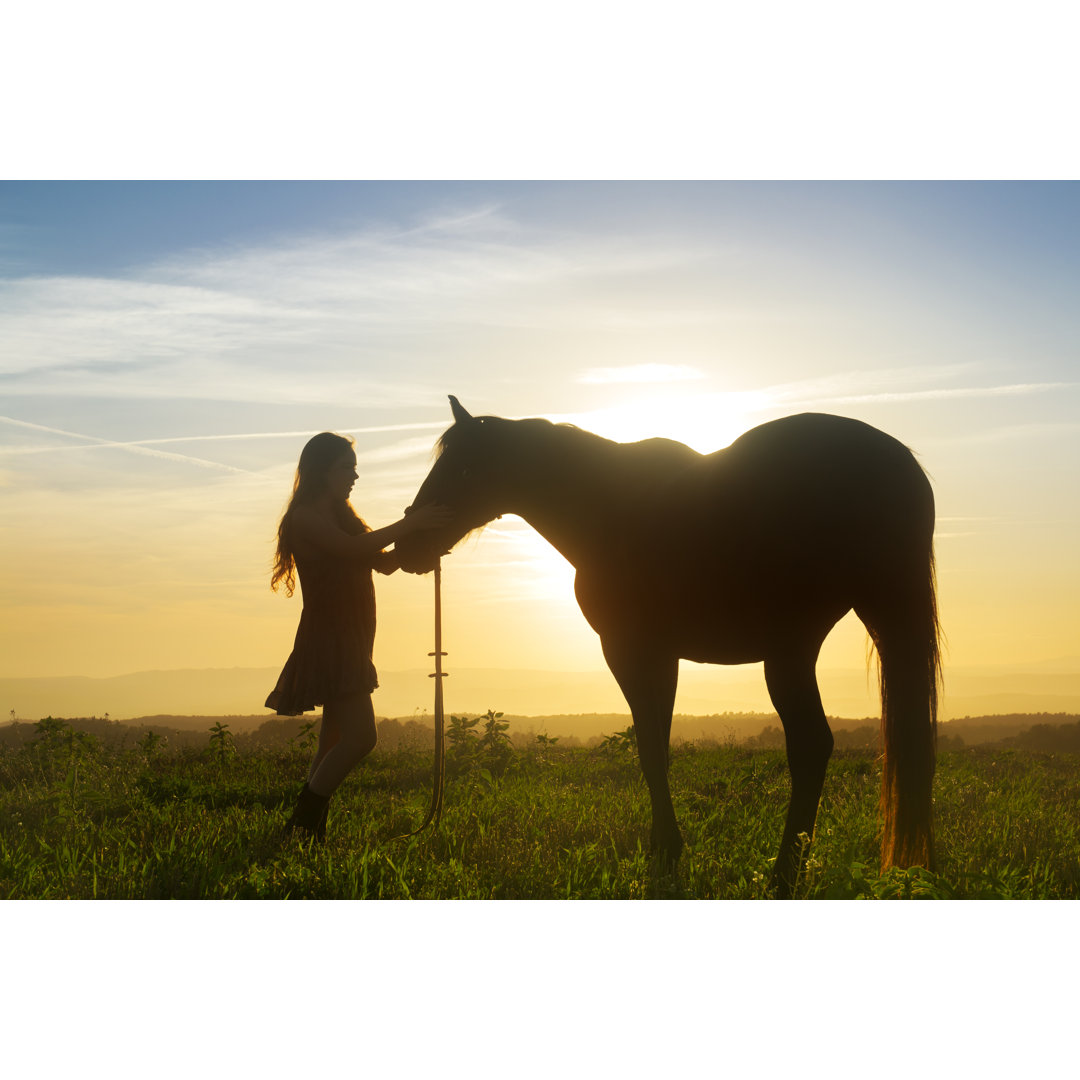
(463, 479)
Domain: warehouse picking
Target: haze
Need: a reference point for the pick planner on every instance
(169, 347)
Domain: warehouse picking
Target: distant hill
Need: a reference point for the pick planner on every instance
(1051, 733)
(703, 691)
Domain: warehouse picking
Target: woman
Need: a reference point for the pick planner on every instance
(322, 539)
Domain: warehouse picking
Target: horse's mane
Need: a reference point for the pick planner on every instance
(460, 434)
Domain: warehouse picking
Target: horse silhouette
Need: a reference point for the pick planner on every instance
(749, 554)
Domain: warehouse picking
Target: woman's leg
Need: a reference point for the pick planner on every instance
(329, 734)
(348, 729)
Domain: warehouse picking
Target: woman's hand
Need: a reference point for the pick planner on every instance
(426, 518)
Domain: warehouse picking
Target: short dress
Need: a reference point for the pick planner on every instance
(332, 651)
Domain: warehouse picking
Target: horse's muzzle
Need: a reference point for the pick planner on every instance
(415, 566)
(418, 558)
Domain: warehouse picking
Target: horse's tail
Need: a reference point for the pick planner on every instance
(905, 630)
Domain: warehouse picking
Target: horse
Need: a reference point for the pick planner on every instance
(750, 554)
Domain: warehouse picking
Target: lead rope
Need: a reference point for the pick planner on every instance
(435, 810)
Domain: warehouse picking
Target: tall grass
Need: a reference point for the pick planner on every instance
(80, 821)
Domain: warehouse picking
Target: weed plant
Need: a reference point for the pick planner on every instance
(78, 820)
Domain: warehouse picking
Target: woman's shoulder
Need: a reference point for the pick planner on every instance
(351, 522)
(311, 515)
(313, 525)
(322, 532)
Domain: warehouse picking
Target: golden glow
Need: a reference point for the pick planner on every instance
(154, 419)
(702, 420)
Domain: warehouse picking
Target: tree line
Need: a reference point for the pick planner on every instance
(1039, 732)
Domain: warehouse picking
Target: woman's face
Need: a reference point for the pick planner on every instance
(342, 476)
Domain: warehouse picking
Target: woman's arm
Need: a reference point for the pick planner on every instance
(388, 562)
(313, 528)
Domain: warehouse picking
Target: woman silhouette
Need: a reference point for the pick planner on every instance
(322, 539)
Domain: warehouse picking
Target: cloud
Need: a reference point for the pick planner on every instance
(74, 322)
(371, 316)
(898, 385)
(943, 394)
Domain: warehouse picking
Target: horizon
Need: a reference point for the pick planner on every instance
(172, 346)
(704, 690)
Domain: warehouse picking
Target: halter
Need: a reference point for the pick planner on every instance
(435, 810)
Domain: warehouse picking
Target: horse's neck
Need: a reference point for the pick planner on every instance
(566, 529)
(573, 499)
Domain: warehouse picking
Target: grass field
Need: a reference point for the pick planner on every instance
(78, 820)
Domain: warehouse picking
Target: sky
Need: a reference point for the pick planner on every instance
(166, 349)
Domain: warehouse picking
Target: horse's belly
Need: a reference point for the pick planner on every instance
(748, 637)
(715, 635)
(711, 621)
(723, 652)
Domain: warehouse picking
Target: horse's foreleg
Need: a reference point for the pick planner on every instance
(794, 691)
(648, 684)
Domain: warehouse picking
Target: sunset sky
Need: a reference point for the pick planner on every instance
(167, 348)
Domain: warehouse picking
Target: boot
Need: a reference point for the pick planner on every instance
(320, 825)
(310, 814)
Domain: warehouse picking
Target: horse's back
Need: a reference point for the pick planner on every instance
(804, 479)
(813, 437)
(793, 445)
(843, 470)
(776, 532)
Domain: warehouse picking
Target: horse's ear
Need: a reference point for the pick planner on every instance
(460, 414)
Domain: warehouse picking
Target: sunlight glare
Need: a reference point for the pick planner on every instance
(532, 567)
(703, 421)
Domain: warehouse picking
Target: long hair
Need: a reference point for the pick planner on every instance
(316, 458)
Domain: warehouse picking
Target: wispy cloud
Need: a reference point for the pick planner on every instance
(915, 384)
(953, 393)
(368, 316)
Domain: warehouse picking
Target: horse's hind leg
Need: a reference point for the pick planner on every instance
(793, 688)
(648, 683)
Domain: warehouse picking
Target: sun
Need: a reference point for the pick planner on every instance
(704, 421)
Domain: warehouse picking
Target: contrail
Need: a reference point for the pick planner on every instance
(91, 441)
(430, 426)
(925, 395)
(144, 445)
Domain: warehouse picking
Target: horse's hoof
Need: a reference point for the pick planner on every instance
(780, 888)
(666, 856)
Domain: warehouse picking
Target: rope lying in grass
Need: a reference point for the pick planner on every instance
(435, 810)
